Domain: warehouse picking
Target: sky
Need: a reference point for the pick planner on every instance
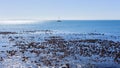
(65, 9)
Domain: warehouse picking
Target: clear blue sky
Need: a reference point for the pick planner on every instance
(66, 9)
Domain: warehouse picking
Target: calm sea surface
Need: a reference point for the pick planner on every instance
(79, 26)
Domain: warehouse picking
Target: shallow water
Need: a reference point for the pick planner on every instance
(77, 26)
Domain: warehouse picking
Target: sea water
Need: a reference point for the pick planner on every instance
(77, 26)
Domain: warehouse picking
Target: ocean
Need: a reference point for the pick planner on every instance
(77, 26)
(97, 47)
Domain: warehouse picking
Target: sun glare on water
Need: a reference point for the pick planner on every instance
(17, 21)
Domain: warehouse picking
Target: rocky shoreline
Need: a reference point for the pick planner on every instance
(49, 49)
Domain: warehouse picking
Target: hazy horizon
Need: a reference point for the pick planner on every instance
(66, 9)
(25, 11)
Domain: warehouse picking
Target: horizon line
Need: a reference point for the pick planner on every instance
(49, 19)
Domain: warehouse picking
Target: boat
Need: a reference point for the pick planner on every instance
(59, 20)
